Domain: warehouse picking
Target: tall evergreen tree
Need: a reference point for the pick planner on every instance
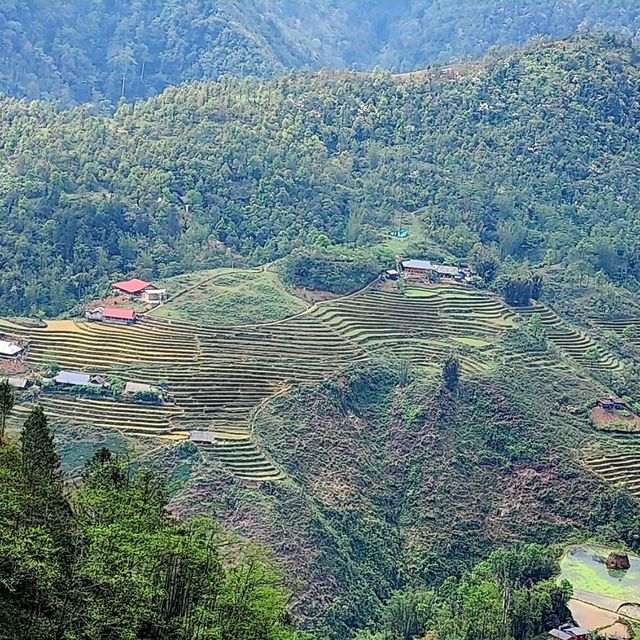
(7, 400)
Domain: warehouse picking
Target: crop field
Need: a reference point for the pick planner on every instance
(619, 326)
(424, 325)
(570, 341)
(219, 377)
(621, 468)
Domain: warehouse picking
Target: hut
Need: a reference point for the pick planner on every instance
(10, 350)
(612, 403)
(202, 437)
(567, 632)
(79, 379)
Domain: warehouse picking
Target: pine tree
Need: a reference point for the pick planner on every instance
(42, 475)
(7, 400)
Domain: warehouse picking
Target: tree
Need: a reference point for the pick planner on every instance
(7, 400)
(42, 474)
(592, 355)
(630, 333)
(451, 373)
(485, 263)
(535, 327)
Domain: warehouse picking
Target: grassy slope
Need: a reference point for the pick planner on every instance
(228, 297)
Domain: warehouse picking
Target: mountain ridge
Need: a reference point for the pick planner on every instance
(137, 49)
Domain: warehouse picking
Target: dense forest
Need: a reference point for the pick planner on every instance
(533, 155)
(108, 561)
(103, 50)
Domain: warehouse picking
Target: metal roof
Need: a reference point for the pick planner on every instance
(18, 383)
(417, 264)
(202, 436)
(73, 377)
(119, 314)
(9, 348)
(449, 271)
(568, 633)
(134, 285)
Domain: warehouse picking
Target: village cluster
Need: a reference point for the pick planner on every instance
(134, 290)
(430, 271)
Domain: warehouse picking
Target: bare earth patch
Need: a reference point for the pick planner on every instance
(615, 420)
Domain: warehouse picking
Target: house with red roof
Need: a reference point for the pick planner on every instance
(133, 287)
(112, 315)
(140, 289)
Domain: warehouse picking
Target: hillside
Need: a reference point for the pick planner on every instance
(136, 48)
(532, 155)
(336, 444)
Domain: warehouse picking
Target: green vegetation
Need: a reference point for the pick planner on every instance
(312, 161)
(343, 271)
(228, 297)
(7, 400)
(107, 50)
(386, 462)
(107, 561)
(512, 594)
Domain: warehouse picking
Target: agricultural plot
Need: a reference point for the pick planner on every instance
(620, 468)
(629, 329)
(228, 297)
(219, 377)
(577, 345)
(424, 325)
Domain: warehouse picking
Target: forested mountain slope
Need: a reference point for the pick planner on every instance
(81, 51)
(534, 155)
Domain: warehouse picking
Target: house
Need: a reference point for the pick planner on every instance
(10, 350)
(78, 379)
(391, 274)
(18, 383)
(612, 403)
(202, 437)
(449, 272)
(567, 632)
(131, 388)
(119, 316)
(133, 288)
(154, 296)
(426, 268)
(111, 315)
(417, 268)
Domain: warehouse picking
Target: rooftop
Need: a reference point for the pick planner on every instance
(202, 436)
(9, 348)
(134, 285)
(425, 265)
(18, 383)
(567, 633)
(119, 314)
(449, 271)
(73, 378)
(137, 387)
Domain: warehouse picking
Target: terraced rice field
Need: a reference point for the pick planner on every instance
(570, 341)
(621, 468)
(618, 326)
(424, 325)
(219, 377)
